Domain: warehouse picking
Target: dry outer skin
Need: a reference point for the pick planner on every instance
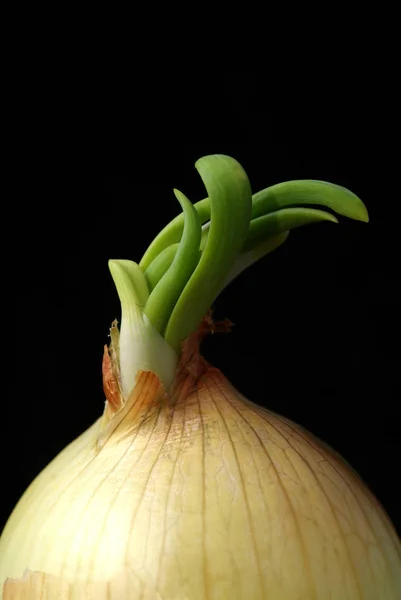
(204, 496)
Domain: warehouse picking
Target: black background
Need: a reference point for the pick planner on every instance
(317, 323)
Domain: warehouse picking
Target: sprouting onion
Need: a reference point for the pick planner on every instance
(184, 489)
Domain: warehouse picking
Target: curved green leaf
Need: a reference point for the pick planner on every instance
(309, 191)
(231, 199)
(167, 291)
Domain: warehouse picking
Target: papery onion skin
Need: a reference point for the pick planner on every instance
(207, 496)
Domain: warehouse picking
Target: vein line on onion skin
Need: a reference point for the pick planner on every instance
(333, 465)
(135, 512)
(352, 492)
(204, 556)
(244, 492)
(98, 487)
(333, 512)
(134, 465)
(168, 496)
(284, 491)
(79, 474)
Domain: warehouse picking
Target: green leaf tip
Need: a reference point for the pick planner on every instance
(130, 282)
(171, 233)
(308, 192)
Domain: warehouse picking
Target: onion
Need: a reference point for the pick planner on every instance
(184, 489)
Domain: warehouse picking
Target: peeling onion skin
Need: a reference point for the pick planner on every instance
(202, 496)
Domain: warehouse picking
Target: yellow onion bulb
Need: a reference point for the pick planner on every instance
(206, 495)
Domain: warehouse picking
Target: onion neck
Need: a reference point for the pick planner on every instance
(148, 394)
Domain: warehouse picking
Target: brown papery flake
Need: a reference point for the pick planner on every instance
(110, 385)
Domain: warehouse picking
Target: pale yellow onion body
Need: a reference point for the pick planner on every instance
(212, 498)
